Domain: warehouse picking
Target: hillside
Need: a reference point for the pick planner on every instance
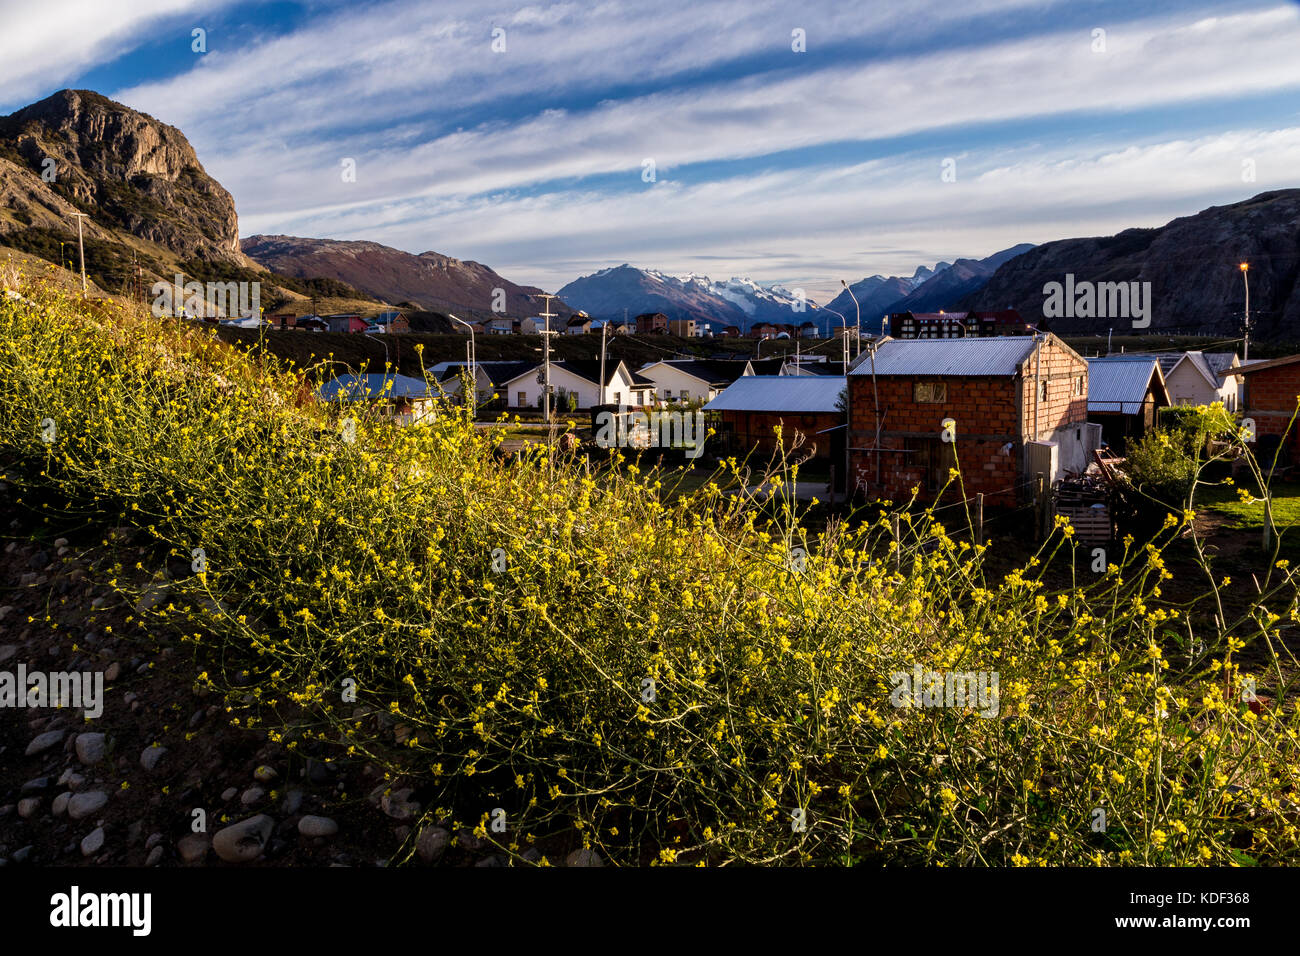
(428, 281)
(1191, 263)
(594, 672)
(138, 180)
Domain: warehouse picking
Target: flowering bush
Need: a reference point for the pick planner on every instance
(698, 681)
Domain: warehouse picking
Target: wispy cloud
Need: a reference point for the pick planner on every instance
(798, 167)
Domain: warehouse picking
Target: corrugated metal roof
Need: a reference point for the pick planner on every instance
(350, 388)
(971, 356)
(1119, 383)
(780, 393)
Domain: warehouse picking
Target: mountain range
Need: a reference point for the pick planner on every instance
(1192, 264)
(611, 293)
(744, 303)
(148, 205)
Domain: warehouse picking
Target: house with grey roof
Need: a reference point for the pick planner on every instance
(1125, 393)
(768, 413)
(402, 398)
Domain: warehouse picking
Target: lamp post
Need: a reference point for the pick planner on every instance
(473, 366)
(1245, 340)
(844, 324)
(859, 311)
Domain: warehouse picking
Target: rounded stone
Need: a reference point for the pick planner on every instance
(583, 857)
(44, 742)
(244, 841)
(193, 847)
(313, 826)
(91, 748)
(150, 756)
(432, 843)
(93, 842)
(83, 805)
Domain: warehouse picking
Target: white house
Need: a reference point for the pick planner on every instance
(490, 376)
(1197, 378)
(686, 380)
(581, 378)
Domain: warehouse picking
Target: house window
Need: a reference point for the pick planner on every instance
(1078, 385)
(618, 398)
(1042, 390)
(523, 399)
(930, 393)
(686, 395)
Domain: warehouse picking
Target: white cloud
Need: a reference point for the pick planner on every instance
(47, 43)
(812, 227)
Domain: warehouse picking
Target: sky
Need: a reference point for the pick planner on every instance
(794, 143)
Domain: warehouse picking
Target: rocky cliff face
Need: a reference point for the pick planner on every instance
(1192, 265)
(79, 151)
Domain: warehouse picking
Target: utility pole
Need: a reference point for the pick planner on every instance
(1245, 342)
(82, 249)
(546, 383)
(604, 327)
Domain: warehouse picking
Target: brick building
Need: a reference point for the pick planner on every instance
(1019, 405)
(803, 406)
(651, 323)
(1270, 396)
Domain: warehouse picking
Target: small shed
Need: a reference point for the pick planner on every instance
(1124, 392)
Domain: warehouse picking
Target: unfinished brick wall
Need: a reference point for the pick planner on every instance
(757, 430)
(991, 413)
(1271, 397)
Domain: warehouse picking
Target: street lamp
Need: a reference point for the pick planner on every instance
(1245, 340)
(473, 365)
(844, 324)
(859, 310)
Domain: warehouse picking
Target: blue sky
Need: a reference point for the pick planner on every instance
(1058, 118)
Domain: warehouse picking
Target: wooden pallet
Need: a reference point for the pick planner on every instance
(1092, 525)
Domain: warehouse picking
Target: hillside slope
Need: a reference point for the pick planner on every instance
(1192, 264)
(430, 280)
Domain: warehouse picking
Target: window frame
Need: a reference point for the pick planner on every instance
(938, 388)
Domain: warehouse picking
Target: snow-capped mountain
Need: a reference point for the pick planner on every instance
(876, 295)
(742, 302)
(738, 301)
